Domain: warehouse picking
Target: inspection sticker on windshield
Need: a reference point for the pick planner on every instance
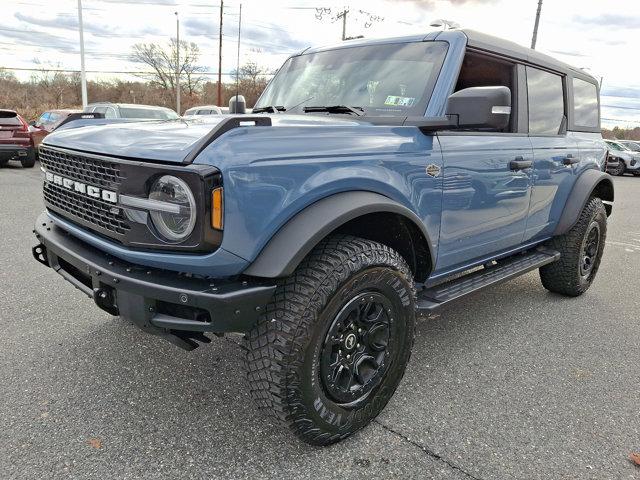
(400, 101)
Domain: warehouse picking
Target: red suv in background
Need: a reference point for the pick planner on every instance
(48, 122)
(15, 140)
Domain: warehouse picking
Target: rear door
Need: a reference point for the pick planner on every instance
(555, 151)
(584, 121)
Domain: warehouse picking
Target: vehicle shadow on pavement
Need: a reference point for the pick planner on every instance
(138, 394)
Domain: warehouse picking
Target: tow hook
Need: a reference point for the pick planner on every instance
(105, 299)
(40, 254)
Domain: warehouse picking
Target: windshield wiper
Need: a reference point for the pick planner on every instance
(358, 111)
(270, 109)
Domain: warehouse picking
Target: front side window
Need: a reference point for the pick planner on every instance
(394, 79)
(546, 102)
(585, 104)
(614, 146)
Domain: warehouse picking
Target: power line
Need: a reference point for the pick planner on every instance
(62, 70)
(622, 107)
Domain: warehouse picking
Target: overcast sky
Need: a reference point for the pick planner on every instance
(600, 36)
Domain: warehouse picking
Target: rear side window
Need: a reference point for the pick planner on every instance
(546, 102)
(144, 113)
(585, 104)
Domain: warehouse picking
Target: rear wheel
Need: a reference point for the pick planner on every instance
(581, 250)
(333, 345)
(30, 160)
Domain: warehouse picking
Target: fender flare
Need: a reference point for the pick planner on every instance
(584, 187)
(296, 238)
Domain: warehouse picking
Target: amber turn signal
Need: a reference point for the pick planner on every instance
(217, 208)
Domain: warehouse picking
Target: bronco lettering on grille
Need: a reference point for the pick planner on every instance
(79, 187)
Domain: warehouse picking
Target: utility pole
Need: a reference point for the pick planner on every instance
(220, 58)
(238, 62)
(178, 63)
(343, 15)
(83, 74)
(534, 39)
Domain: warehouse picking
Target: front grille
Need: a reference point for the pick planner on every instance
(95, 212)
(102, 216)
(92, 171)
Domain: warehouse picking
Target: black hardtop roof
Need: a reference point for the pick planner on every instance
(489, 43)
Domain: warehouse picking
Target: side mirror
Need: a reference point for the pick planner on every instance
(481, 107)
(237, 104)
(32, 123)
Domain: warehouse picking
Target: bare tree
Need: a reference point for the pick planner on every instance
(56, 87)
(7, 75)
(252, 79)
(163, 64)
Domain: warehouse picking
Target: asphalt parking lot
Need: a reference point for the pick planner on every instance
(513, 382)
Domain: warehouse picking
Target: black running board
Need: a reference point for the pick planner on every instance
(432, 298)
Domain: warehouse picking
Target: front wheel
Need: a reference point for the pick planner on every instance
(333, 344)
(620, 169)
(581, 250)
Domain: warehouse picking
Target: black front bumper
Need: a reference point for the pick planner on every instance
(177, 306)
(10, 152)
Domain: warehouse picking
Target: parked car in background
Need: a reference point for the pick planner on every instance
(15, 140)
(131, 111)
(630, 160)
(47, 123)
(205, 110)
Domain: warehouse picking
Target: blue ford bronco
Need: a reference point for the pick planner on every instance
(375, 180)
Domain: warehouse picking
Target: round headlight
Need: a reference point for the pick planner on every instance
(177, 225)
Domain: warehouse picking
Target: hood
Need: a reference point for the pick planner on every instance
(164, 141)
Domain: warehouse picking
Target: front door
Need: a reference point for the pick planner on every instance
(487, 189)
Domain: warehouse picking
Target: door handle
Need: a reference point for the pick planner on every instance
(519, 163)
(570, 160)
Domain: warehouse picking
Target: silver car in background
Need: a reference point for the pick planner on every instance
(131, 111)
(630, 158)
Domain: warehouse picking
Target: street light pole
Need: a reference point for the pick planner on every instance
(220, 58)
(178, 63)
(534, 39)
(83, 74)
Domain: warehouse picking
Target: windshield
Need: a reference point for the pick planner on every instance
(395, 79)
(147, 113)
(632, 146)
